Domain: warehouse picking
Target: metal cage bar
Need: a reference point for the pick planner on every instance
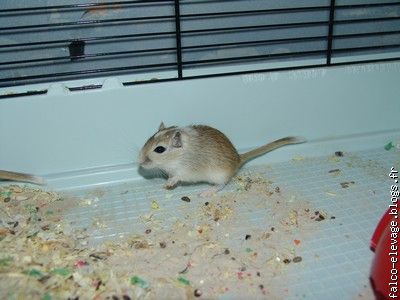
(180, 34)
(178, 38)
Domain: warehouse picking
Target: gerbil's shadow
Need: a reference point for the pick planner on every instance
(151, 174)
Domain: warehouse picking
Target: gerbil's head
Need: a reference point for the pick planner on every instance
(162, 149)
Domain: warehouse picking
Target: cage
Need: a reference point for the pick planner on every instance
(84, 84)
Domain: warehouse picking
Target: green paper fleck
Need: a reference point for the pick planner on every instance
(35, 273)
(248, 250)
(6, 194)
(5, 262)
(136, 280)
(61, 271)
(389, 146)
(49, 212)
(183, 280)
(47, 297)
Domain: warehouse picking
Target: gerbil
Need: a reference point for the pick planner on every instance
(21, 177)
(199, 153)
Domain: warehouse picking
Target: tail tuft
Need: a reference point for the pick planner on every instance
(298, 139)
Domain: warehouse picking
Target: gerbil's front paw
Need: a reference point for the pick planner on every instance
(171, 183)
(169, 186)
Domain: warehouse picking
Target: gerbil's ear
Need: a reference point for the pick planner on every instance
(161, 127)
(177, 140)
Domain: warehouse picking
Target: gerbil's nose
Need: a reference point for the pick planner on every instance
(140, 157)
(144, 160)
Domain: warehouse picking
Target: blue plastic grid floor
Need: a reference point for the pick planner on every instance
(353, 189)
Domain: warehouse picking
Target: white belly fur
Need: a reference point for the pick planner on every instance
(210, 176)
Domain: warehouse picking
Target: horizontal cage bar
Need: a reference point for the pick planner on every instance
(192, 39)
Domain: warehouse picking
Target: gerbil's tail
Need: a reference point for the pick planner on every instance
(21, 177)
(245, 157)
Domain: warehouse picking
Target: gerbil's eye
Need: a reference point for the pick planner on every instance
(159, 149)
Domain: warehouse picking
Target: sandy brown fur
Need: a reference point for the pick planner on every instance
(198, 153)
(216, 149)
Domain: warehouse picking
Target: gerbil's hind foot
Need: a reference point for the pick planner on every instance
(171, 183)
(211, 191)
(169, 187)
